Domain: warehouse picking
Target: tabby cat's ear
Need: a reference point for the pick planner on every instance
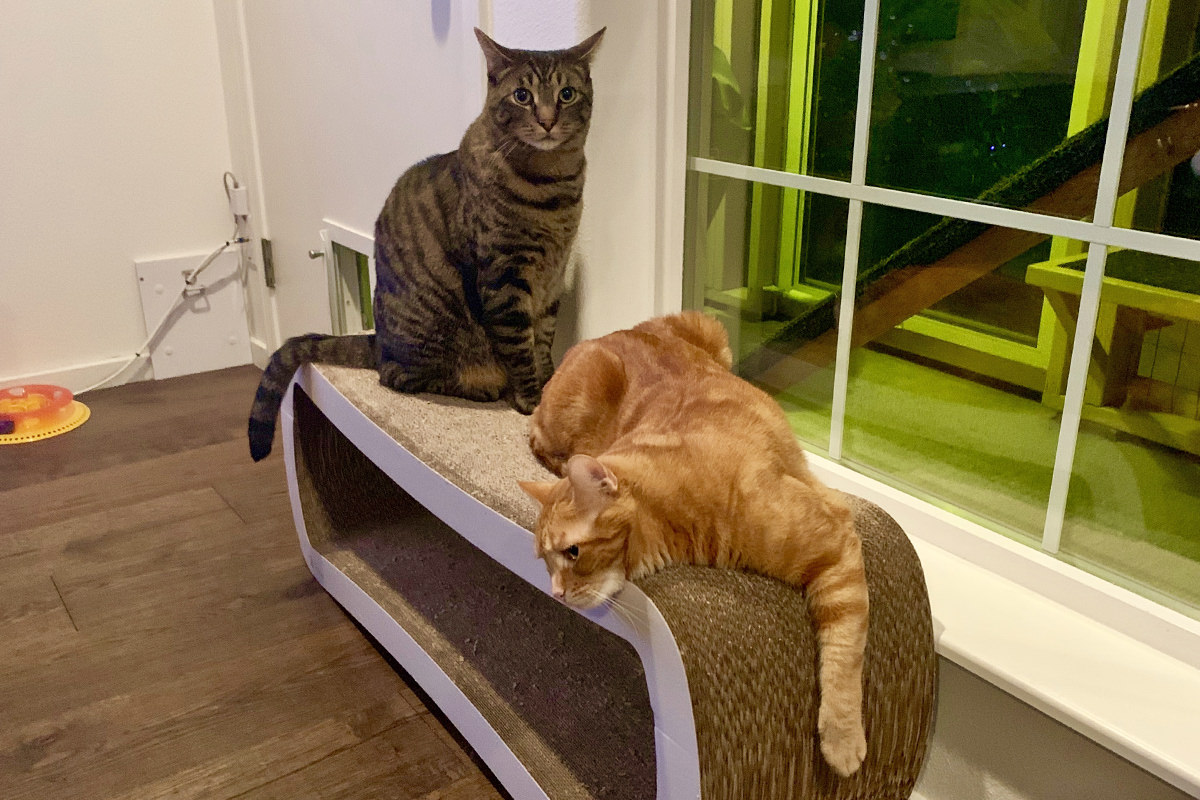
(587, 48)
(594, 485)
(538, 490)
(497, 56)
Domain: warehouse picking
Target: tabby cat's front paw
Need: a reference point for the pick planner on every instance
(479, 394)
(526, 403)
(843, 742)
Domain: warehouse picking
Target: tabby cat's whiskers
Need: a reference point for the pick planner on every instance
(504, 149)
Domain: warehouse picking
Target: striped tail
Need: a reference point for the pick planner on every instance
(344, 351)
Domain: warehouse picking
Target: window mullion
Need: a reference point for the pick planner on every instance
(858, 177)
(1128, 238)
(1124, 87)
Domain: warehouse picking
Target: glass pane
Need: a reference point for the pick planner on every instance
(766, 261)
(975, 100)
(364, 291)
(957, 404)
(1162, 160)
(353, 287)
(1133, 510)
(774, 83)
(998, 101)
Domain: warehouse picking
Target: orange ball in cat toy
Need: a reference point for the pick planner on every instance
(38, 411)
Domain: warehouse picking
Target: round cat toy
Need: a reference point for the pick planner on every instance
(38, 411)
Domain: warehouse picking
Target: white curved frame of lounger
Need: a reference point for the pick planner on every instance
(676, 759)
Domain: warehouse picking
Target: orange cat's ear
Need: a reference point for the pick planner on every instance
(594, 484)
(538, 490)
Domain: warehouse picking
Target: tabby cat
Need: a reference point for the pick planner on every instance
(666, 457)
(471, 248)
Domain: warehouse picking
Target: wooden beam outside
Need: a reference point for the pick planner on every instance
(910, 290)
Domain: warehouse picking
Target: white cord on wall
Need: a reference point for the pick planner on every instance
(189, 280)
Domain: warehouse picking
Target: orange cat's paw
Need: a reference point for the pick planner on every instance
(843, 742)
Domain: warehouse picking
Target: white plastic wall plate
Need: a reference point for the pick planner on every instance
(208, 329)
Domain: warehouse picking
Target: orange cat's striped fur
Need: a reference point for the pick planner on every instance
(666, 457)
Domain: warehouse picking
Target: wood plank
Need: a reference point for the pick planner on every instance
(24, 595)
(405, 758)
(137, 421)
(88, 535)
(184, 594)
(472, 787)
(910, 290)
(163, 636)
(30, 637)
(54, 673)
(131, 633)
(231, 774)
(254, 501)
(62, 498)
(119, 742)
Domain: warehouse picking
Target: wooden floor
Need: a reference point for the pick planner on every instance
(160, 635)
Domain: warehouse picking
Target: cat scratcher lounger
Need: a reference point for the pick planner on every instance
(702, 684)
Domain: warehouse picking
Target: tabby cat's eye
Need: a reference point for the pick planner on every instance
(523, 96)
(566, 94)
(571, 553)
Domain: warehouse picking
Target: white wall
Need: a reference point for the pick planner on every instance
(619, 234)
(113, 140)
(261, 318)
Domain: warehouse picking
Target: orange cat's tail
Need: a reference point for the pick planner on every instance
(696, 329)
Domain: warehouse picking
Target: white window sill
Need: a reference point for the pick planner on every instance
(1117, 668)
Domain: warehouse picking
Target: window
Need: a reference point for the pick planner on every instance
(352, 279)
(957, 283)
(351, 275)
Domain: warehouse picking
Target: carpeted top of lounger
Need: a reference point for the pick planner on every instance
(482, 448)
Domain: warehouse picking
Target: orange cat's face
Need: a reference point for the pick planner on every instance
(584, 556)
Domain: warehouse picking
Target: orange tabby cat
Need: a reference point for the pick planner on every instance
(666, 457)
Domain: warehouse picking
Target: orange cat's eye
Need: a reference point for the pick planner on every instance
(523, 96)
(571, 553)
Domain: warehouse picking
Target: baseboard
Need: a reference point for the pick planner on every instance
(80, 376)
